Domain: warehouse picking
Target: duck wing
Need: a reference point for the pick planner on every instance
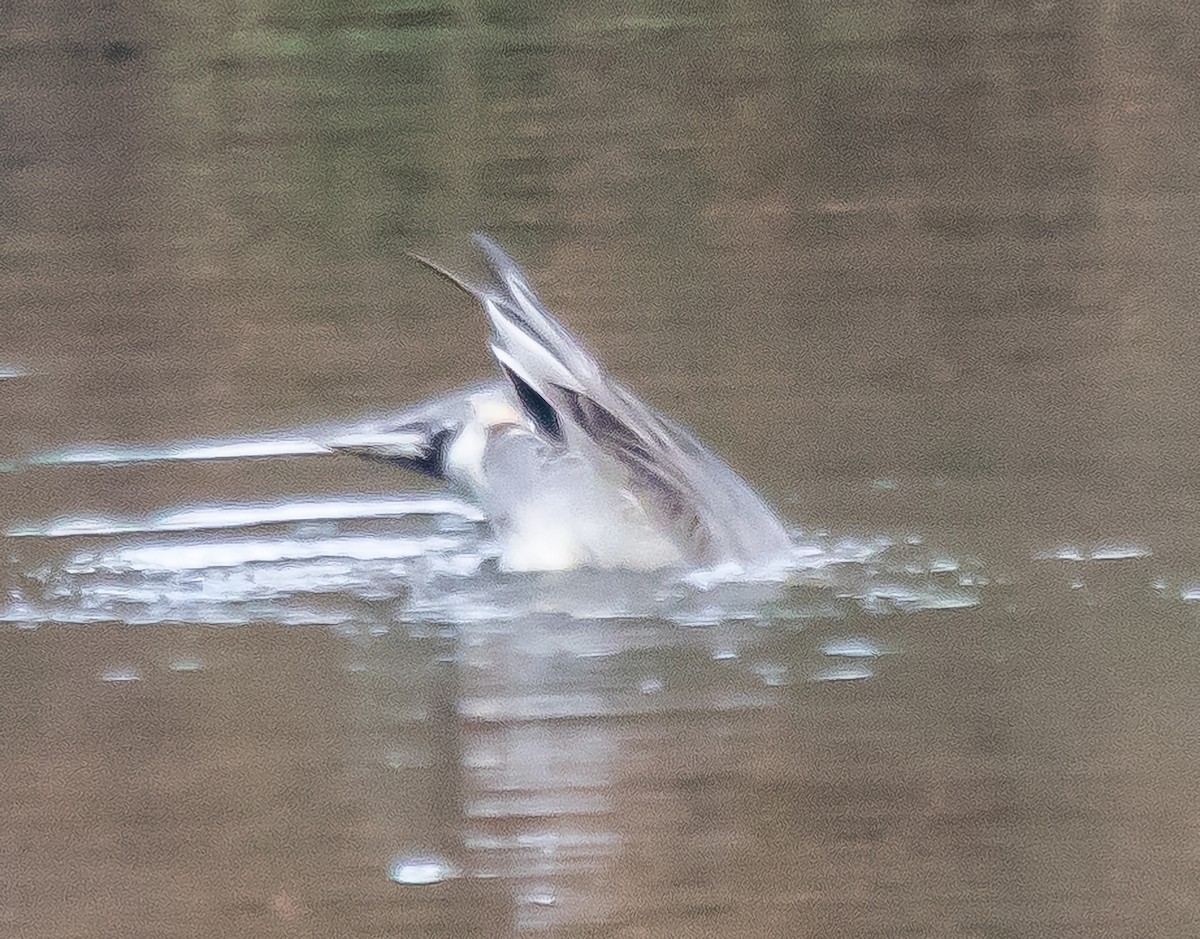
(566, 392)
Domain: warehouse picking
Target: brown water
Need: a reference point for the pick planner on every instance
(924, 273)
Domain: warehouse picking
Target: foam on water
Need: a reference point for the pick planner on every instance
(232, 563)
(427, 558)
(1104, 551)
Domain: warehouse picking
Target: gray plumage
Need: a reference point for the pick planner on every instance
(569, 466)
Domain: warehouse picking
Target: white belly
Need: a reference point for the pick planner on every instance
(553, 536)
(552, 513)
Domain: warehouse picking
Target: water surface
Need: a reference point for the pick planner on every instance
(923, 273)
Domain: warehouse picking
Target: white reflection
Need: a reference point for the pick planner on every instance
(854, 648)
(843, 673)
(236, 515)
(420, 870)
(248, 448)
(1104, 551)
(205, 555)
(882, 598)
(120, 674)
(1119, 552)
(773, 674)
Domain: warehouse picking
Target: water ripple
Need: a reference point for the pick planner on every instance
(427, 559)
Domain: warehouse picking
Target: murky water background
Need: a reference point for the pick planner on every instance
(925, 273)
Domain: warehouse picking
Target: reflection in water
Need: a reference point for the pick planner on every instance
(120, 673)
(557, 751)
(843, 673)
(553, 734)
(859, 647)
(552, 751)
(546, 773)
(200, 518)
(420, 870)
(1101, 552)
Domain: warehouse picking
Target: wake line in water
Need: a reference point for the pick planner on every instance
(438, 568)
(175, 557)
(173, 566)
(243, 448)
(240, 515)
(274, 444)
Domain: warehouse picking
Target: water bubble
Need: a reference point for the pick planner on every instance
(539, 896)
(1119, 552)
(186, 663)
(772, 674)
(120, 673)
(420, 869)
(843, 673)
(1065, 552)
(854, 648)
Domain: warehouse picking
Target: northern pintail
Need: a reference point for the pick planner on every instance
(570, 468)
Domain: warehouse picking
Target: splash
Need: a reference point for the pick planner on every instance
(425, 559)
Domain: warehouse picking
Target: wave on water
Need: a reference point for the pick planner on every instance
(417, 558)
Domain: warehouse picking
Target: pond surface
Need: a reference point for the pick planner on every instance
(923, 273)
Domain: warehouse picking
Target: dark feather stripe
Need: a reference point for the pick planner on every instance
(540, 411)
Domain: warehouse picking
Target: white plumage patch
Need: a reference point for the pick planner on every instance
(464, 456)
(492, 413)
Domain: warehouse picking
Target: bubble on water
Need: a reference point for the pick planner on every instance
(651, 686)
(843, 673)
(420, 869)
(1065, 552)
(119, 674)
(1105, 551)
(854, 648)
(1119, 552)
(539, 896)
(186, 663)
(773, 675)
